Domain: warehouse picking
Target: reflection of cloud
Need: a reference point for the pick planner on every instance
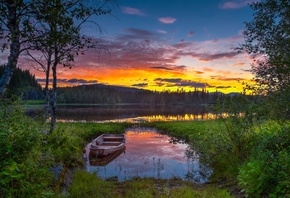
(167, 20)
(152, 145)
(179, 82)
(133, 11)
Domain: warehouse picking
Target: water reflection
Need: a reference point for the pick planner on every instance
(131, 113)
(104, 160)
(151, 154)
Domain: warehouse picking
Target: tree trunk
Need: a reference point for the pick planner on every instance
(14, 53)
(53, 98)
(47, 112)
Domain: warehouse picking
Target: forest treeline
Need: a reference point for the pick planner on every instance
(104, 94)
(24, 85)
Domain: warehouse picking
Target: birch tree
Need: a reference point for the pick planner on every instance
(59, 36)
(14, 16)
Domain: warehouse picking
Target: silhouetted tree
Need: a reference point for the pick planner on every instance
(267, 38)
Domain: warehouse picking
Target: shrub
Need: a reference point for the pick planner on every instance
(24, 160)
(268, 169)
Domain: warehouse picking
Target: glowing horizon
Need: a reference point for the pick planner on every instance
(171, 67)
(157, 47)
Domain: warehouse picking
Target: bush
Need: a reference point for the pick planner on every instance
(268, 169)
(24, 161)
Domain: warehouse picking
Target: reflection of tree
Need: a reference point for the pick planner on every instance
(133, 113)
(196, 171)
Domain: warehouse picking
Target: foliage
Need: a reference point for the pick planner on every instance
(224, 143)
(268, 35)
(60, 38)
(267, 40)
(27, 154)
(23, 84)
(268, 169)
(13, 20)
(24, 161)
(69, 139)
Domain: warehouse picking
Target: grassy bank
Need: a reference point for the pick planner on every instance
(28, 154)
(249, 157)
(88, 185)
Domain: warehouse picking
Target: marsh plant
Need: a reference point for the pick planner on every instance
(24, 160)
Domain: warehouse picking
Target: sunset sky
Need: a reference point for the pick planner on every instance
(166, 45)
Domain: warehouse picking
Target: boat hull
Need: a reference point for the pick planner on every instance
(107, 143)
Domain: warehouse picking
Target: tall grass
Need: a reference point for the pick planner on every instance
(246, 154)
(24, 159)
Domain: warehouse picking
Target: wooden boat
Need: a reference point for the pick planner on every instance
(104, 159)
(107, 143)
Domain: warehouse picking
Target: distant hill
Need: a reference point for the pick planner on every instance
(119, 88)
(24, 85)
(108, 94)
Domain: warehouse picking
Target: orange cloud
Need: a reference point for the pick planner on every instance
(238, 64)
(138, 57)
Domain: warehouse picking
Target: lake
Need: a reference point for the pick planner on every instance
(151, 154)
(131, 113)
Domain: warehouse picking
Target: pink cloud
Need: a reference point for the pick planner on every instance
(133, 11)
(237, 4)
(167, 20)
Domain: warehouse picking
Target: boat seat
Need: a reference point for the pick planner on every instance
(109, 142)
(110, 146)
(113, 138)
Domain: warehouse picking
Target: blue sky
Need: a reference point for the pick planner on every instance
(170, 44)
(190, 19)
(166, 45)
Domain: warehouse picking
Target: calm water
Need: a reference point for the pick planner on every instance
(131, 113)
(150, 154)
